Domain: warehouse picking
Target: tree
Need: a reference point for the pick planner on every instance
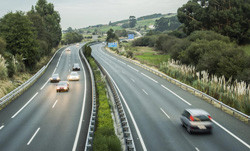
(111, 36)
(18, 32)
(72, 37)
(51, 20)
(163, 24)
(132, 21)
(229, 18)
(2, 45)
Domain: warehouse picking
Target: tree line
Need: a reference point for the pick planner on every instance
(26, 37)
(227, 17)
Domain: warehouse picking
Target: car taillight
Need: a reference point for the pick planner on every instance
(209, 117)
(191, 118)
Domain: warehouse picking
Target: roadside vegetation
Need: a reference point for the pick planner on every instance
(27, 40)
(105, 138)
(213, 56)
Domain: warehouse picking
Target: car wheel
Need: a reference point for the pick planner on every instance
(189, 130)
(182, 124)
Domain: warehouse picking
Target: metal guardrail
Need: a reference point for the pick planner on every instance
(212, 100)
(19, 90)
(127, 135)
(92, 122)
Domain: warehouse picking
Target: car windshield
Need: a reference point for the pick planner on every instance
(201, 118)
(55, 75)
(62, 84)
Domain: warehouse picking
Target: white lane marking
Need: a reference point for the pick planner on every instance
(144, 91)
(197, 149)
(132, 79)
(44, 84)
(57, 64)
(83, 106)
(54, 104)
(176, 95)
(133, 68)
(24, 106)
(244, 143)
(54, 70)
(149, 78)
(33, 136)
(122, 62)
(165, 113)
(131, 115)
(69, 70)
(1, 127)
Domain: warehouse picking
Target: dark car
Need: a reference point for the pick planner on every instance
(196, 120)
(55, 78)
(62, 86)
(76, 67)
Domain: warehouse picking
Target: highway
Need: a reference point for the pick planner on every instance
(42, 119)
(153, 107)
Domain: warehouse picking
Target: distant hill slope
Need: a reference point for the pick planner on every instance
(143, 21)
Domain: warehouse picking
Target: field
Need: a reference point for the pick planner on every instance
(149, 56)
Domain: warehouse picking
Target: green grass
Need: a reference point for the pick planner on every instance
(105, 138)
(149, 56)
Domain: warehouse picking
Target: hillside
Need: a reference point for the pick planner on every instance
(148, 20)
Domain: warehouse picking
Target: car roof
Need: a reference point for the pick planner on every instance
(63, 82)
(76, 63)
(73, 73)
(196, 112)
(55, 74)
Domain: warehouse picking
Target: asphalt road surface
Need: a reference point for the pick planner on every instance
(153, 107)
(42, 119)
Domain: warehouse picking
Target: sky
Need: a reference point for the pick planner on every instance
(84, 13)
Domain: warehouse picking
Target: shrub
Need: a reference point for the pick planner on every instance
(3, 68)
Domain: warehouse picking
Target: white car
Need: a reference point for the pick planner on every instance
(196, 120)
(74, 76)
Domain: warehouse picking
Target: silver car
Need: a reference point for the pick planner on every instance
(196, 120)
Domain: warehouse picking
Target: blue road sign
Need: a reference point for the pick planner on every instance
(131, 36)
(113, 44)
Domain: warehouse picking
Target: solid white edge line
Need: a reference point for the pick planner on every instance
(54, 104)
(133, 68)
(149, 77)
(33, 136)
(165, 113)
(130, 113)
(244, 143)
(83, 106)
(44, 84)
(1, 127)
(24, 106)
(144, 91)
(176, 95)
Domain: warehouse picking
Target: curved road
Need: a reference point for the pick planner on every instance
(41, 119)
(154, 106)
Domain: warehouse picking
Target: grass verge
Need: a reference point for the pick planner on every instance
(105, 138)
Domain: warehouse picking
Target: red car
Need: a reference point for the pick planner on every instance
(62, 86)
